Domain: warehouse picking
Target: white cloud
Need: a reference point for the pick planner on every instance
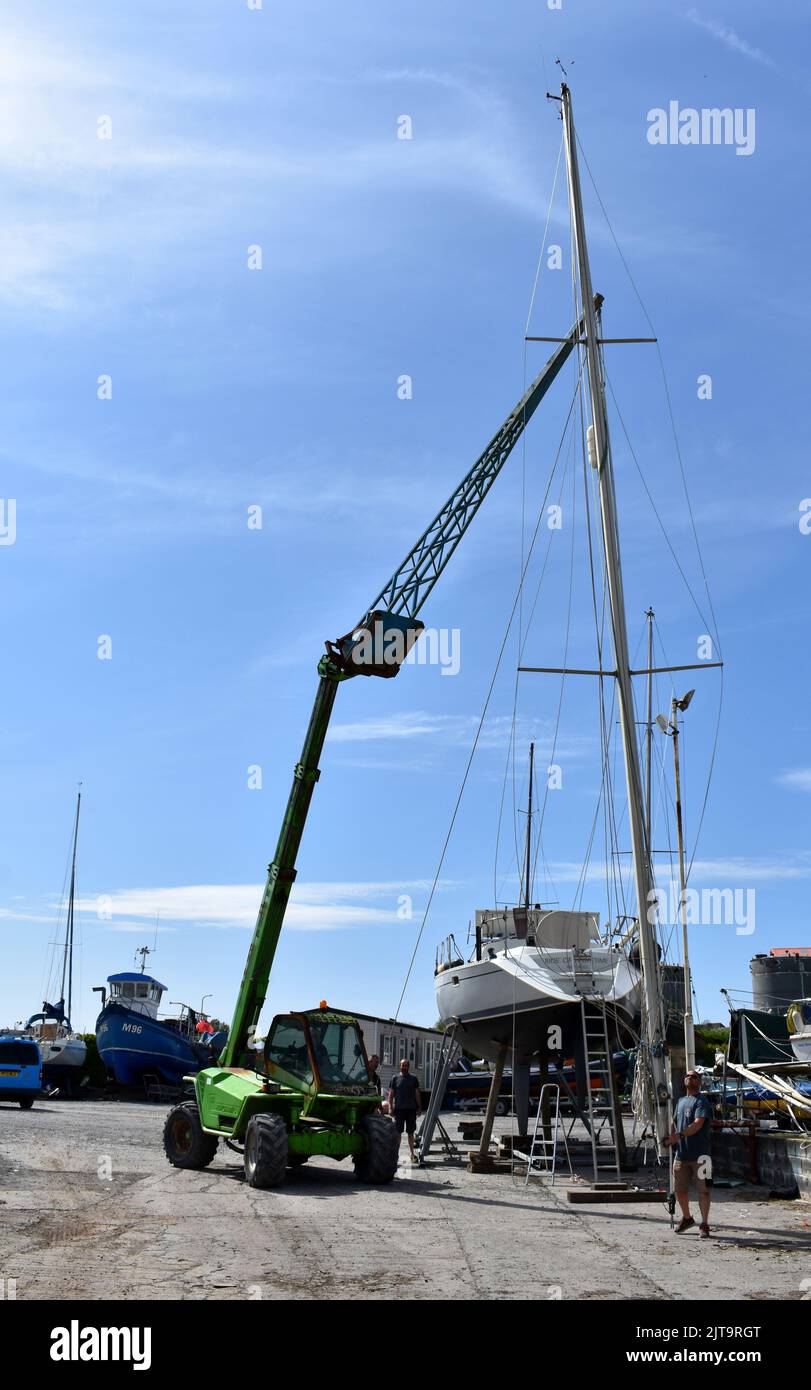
(798, 780)
(457, 730)
(733, 872)
(730, 39)
(313, 906)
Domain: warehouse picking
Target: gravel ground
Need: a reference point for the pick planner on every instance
(91, 1209)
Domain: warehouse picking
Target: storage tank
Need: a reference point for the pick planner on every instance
(780, 977)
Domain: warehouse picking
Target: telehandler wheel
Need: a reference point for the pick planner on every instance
(266, 1156)
(379, 1163)
(27, 1103)
(184, 1141)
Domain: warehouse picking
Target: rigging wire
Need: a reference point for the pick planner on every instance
(480, 726)
(510, 758)
(520, 629)
(668, 397)
(717, 732)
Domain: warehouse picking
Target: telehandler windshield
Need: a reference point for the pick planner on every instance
(339, 1053)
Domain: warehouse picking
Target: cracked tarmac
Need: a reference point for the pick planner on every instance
(90, 1209)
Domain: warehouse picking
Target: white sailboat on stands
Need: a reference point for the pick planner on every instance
(535, 970)
(64, 1052)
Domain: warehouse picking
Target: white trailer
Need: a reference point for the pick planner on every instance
(394, 1041)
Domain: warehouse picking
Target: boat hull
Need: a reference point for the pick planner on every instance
(132, 1045)
(63, 1060)
(497, 1009)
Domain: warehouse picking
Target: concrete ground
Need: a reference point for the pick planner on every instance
(89, 1208)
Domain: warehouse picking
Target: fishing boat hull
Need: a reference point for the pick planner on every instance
(132, 1045)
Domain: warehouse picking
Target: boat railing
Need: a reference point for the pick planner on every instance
(448, 955)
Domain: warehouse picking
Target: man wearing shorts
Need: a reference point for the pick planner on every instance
(405, 1103)
(692, 1134)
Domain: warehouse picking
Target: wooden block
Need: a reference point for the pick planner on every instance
(589, 1195)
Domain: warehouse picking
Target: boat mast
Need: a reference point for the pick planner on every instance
(528, 864)
(649, 735)
(67, 959)
(599, 452)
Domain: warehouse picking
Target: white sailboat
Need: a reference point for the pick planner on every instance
(519, 998)
(64, 1052)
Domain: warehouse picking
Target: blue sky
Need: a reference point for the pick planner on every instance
(233, 388)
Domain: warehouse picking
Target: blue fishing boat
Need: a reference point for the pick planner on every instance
(134, 1042)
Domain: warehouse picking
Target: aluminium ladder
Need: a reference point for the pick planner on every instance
(601, 1098)
(543, 1149)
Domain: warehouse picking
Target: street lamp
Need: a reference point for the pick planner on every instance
(670, 727)
(203, 1003)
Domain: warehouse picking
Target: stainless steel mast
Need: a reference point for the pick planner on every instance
(653, 1022)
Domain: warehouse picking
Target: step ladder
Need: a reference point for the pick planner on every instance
(424, 1137)
(543, 1149)
(601, 1098)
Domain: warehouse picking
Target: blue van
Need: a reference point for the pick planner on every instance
(20, 1070)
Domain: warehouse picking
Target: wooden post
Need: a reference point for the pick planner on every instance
(490, 1112)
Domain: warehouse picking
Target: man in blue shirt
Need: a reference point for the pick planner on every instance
(692, 1133)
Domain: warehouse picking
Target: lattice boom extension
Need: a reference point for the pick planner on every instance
(416, 576)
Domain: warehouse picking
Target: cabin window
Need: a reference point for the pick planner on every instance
(338, 1053)
(287, 1048)
(419, 1055)
(386, 1042)
(142, 991)
(401, 1048)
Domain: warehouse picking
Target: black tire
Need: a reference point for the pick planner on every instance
(502, 1107)
(379, 1163)
(27, 1104)
(266, 1155)
(185, 1143)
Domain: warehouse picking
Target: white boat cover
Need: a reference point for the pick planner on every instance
(569, 975)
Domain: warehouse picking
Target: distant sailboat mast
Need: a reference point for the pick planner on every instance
(67, 958)
(528, 863)
(599, 453)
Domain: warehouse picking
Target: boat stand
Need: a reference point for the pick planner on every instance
(431, 1121)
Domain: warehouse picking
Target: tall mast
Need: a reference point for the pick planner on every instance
(649, 734)
(67, 960)
(528, 864)
(599, 451)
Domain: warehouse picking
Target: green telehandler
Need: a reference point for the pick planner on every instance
(313, 1093)
(315, 1097)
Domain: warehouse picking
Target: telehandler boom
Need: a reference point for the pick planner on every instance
(315, 1095)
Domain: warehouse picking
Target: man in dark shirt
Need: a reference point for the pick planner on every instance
(692, 1133)
(374, 1074)
(405, 1102)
